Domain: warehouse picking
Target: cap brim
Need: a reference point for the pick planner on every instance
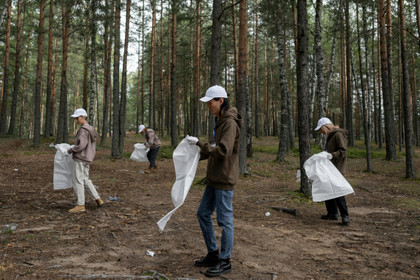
(205, 99)
(74, 116)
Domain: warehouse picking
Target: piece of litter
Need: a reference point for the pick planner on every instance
(150, 253)
(113, 198)
(52, 145)
(141, 171)
(16, 170)
(268, 214)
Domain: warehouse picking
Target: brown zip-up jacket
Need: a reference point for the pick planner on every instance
(223, 161)
(153, 141)
(337, 146)
(85, 148)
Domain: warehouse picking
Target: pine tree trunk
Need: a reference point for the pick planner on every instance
(362, 85)
(22, 106)
(3, 12)
(257, 125)
(235, 52)
(417, 19)
(197, 68)
(216, 41)
(115, 146)
(5, 84)
(387, 94)
(92, 61)
(161, 79)
(302, 89)
(243, 89)
(48, 116)
(284, 90)
(152, 67)
(408, 125)
(86, 64)
(174, 132)
(416, 140)
(62, 132)
(142, 65)
(349, 117)
(319, 60)
(123, 103)
(17, 70)
(107, 69)
(37, 95)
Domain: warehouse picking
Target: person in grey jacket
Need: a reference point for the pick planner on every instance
(83, 154)
(153, 143)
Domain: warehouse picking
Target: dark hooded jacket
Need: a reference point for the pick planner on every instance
(85, 147)
(223, 162)
(337, 146)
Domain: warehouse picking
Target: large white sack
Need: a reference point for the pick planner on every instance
(140, 153)
(63, 167)
(185, 159)
(328, 182)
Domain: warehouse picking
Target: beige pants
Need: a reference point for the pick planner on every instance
(81, 180)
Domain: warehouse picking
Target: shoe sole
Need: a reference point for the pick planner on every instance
(218, 274)
(205, 265)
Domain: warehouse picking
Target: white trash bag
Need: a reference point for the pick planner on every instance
(185, 157)
(328, 182)
(140, 153)
(63, 167)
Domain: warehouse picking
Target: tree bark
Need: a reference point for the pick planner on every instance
(5, 84)
(152, 67)
(408, 125)
(364, 110)
(235, 51)
(37, 110)
(92, 61)
(174, 132)
(107, 68)
(17, 70)
(257, 125)
(243, 89)
(349, 91)
(216, 41)
(284, 121)
(302, 89)
(115, 146)
(62, 132)
(319, 59)
(386, 90)
(123, 103)
(48, 115)
(22, 106)
(197, 66)
(86, 63)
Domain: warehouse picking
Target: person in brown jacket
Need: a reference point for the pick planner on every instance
(153, 143)
(336, 145)
(83, 154)
(222, 175)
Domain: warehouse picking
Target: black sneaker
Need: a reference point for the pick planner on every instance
(345, 220)
(222, 267)
(330, 217)
(210, 260)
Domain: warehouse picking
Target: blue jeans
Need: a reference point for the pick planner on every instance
(222, 201)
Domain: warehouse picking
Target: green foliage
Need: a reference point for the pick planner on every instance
(166, 152)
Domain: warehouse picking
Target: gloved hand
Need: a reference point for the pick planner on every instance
(68, 152)
(329, 156)
(192, 140)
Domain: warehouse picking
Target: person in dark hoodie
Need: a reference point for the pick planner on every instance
(222, 175)
(83, 153)
(336, 145)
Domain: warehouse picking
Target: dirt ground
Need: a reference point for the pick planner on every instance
(382, 240)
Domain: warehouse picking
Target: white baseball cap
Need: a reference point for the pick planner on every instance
(214, 92)
(141, 127)
(79, 113)
(322, 122)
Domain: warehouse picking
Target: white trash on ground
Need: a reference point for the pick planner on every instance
(328, 182)
(140, 153)
(185, 159)
(63, 167)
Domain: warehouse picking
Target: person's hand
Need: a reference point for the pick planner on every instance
(192, 140)
(68, 152)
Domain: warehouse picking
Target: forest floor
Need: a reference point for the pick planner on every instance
(382, 240)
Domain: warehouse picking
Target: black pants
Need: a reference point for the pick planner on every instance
(152, 155)
(333, 204)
